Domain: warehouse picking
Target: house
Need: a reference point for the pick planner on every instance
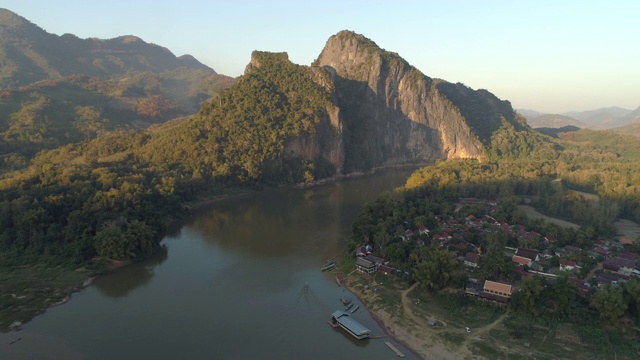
(629, 256)
(626, 241)
(377, 261)
(521, 260)
(496, 288)
(520, 271)
(572, 249)
(582, 286)
(361, 251)
(528, 253)
(605, 280)
(386, 269)
(365, 266)
(603, 252)
(471, 260)
(423, 230)
(619, 265)
(567, 265)
(408, 234)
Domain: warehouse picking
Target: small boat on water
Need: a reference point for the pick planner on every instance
(328, 267)
(355, 309)
(338, 281)
(349, 307)
(345, 301)
(329, 262)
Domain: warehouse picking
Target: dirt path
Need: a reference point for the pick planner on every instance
(406, 305)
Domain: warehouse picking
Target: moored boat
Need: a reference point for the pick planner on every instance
(345, 301)
(351, 326)
(328, 267)
(349, 306)
(355, 309)
(338, 281)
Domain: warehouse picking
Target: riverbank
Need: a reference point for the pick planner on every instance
(26, 291)
(393, 313)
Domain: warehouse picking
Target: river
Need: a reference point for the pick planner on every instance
(229, 283)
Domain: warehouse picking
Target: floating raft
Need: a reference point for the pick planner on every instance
(395, 349)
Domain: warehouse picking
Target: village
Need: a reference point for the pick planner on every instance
(609, 262)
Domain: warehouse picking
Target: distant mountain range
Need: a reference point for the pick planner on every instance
(56, 90)
(29, 54)
(603, 118)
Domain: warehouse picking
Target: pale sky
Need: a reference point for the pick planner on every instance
(550, 56)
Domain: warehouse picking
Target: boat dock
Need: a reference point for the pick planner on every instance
(395, 349)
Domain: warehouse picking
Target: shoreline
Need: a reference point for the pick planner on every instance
(192, 207)
(421, 340)
(386, 326)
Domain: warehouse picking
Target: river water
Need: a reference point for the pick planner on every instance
(229, 283)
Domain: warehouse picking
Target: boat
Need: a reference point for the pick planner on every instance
(352, 327)
(345, 301)
(338, 281)
(349, 306)
(328, 267)
(355, 309)
(329, 262)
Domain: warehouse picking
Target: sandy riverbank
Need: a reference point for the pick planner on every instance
(402, 325)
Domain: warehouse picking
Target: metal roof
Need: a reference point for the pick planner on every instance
(349, 323)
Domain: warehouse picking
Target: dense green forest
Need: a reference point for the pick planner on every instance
(110, 196)
(52, 113)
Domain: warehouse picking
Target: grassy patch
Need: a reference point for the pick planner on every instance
(452, 338)
(457, 308)
(389, 296)
(486, 350)
(26, 291)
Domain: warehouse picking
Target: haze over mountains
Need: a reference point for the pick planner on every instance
(604, 118)
(56, 90)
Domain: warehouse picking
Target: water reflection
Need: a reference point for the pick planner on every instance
(231, 288)
(131, 277)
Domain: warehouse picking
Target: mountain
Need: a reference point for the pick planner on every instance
(56, 90)
(603, 118)
(357, 107)
(528, 113)
(632, 121)
(553, 121)
(393, 113)
(629, 129)
(631, 118)
(29, 54)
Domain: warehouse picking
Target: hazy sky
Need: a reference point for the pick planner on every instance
(551, 56)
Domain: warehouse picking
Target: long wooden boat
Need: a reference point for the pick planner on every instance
(355, 309)
(338, 281)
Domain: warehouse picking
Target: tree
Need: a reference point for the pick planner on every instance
(610, 303)
(632, 292)
(437, 271)
(564, 294)
(113, 244)
(530, 290)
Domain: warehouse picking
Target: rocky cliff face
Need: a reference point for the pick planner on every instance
(357, 107)
(394, 114)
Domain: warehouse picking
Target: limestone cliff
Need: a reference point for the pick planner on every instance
(393, 113)
(356, 108)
